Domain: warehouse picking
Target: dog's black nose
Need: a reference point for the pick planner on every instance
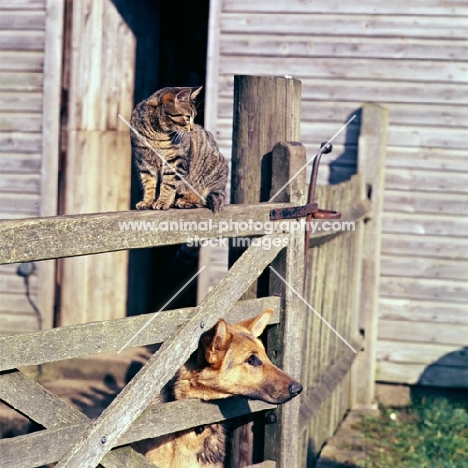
(295, 388)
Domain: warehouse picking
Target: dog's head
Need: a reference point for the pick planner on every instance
(231, 360)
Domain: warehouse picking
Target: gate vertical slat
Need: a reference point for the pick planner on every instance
(281, 439)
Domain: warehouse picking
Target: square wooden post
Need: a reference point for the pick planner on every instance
(266, 110)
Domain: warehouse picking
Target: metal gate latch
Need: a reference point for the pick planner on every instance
(311, 210)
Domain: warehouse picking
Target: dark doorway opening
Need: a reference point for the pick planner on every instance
(171, 41)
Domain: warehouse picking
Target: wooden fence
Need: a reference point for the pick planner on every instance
(298, 340)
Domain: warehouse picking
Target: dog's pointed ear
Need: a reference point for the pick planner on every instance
(219, 344)
(259, 323)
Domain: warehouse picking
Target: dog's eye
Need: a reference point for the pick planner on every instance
(253, 360)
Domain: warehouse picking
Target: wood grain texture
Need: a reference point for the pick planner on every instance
(266, 110)
(285, 342)
(308, 45)
(72, 235)
(434, 376)
(155, 421)
(339, 24)
(43, 407)
(130, 403)
(423, 332)
(430, 7)
(323, 389)
(104, 336)
(413, 310)
(372, 150)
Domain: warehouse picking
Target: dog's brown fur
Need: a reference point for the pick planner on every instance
(230, 360)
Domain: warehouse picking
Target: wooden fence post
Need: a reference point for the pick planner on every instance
(266, 110)
(371, 163)
(285, 340)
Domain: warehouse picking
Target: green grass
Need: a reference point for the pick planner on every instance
(431, 434)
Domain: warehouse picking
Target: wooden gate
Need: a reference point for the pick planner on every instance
(296, 341)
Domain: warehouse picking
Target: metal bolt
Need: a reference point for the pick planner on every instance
(104, 440)
(202, 324)
(270, 417)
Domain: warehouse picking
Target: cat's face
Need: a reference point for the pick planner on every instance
(176, 108)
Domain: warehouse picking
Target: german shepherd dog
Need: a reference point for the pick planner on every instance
(230, 360)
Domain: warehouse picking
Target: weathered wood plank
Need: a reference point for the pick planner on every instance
(420, 374)
(398, 135)
(12, 283)
(372, 149)
(424, 224)
(21, 81)
(212, 65)
(426, 202)
(130, 403)
(399, 7)
(51, 121)
(424, 289)
(421, 267)
(31, 399)
(373, 69)
(20, 122)
(398, 114)
(413, 310)
(99, 337)
(15, 142)
(23, 5)
(313, 46)
(22, 40)
(421, 353)
(65, 236)
(20, 183)
(443, 27)
(324, 388)
(407, 179)
(20, 61)
(21, 102)
(425, 332)
(155, 421)
(17, 322)
(20, 164)
(440, 159)
(380, 91)
(22, 20)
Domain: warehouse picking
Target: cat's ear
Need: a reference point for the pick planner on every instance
(195, 92)
(184, 95)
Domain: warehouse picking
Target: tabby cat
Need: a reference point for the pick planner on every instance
(179, 161)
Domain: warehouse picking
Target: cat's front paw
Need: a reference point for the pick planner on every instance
(142, 205)
(186, 204)
(161, 205)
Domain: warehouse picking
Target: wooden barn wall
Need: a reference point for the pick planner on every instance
(30, 62)
(412, 58)
(99, 79)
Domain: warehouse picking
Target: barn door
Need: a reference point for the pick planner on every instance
(95, 173)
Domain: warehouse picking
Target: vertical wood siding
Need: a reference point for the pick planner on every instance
(22, 39)
(412, 59)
